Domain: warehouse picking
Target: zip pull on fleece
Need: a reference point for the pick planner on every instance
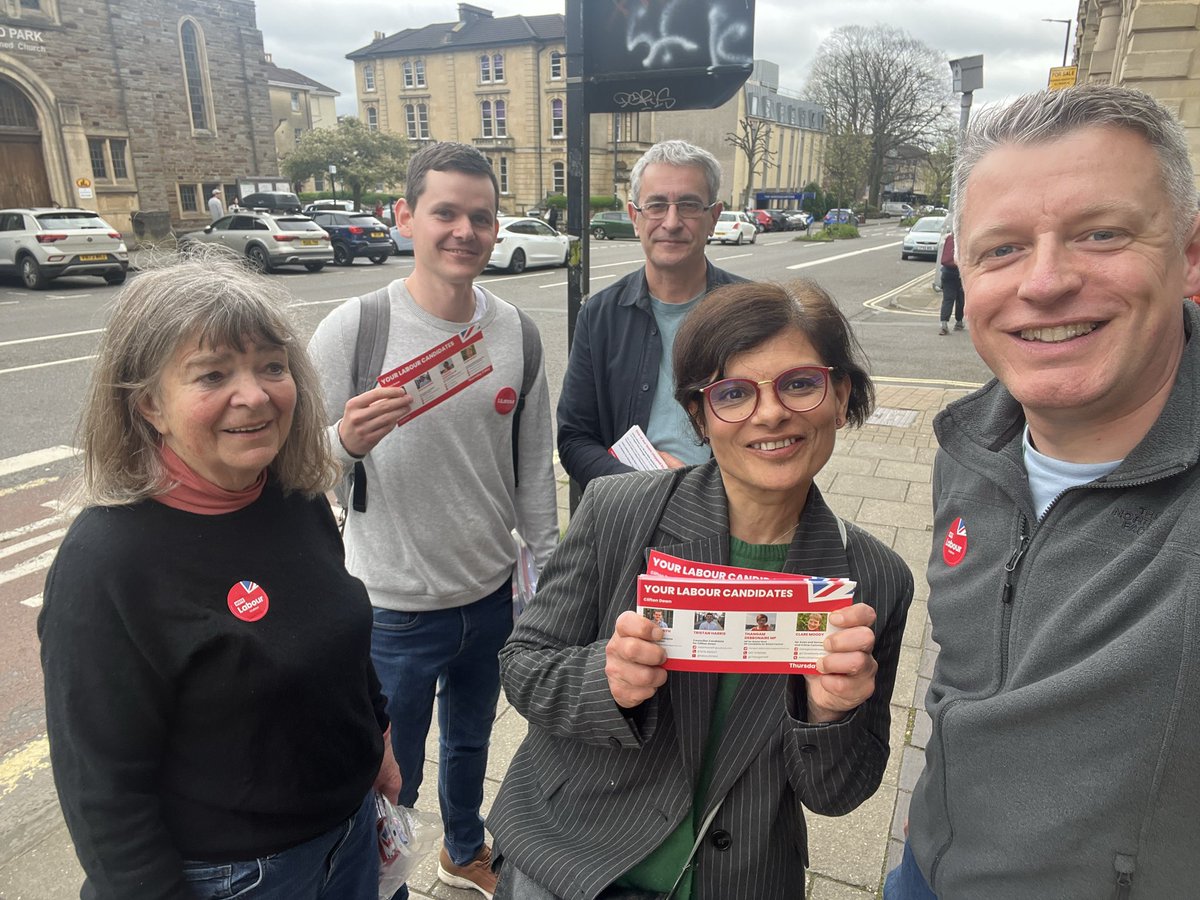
(1124, 864)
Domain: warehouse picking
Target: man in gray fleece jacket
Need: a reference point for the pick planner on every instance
(1065, 573)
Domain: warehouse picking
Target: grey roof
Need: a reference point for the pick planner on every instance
(278, 75)
(446, 36)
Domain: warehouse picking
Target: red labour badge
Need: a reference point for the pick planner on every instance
(954, 548)
(248, 601)
(506, 400)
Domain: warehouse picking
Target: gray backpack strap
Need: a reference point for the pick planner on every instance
(531, 352)
(374, 321)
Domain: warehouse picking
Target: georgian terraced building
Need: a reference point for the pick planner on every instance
(501, 85)
(134, 108)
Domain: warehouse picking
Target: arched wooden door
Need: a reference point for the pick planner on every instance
(23, 179)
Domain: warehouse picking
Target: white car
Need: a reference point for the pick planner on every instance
(733, 228)
(923, 238)
(524, 242)
(41, 244)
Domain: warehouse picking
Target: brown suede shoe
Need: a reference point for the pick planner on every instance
(476, 875)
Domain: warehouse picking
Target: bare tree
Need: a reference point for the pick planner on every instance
(846, 161)
(754, 139)
(880, 84)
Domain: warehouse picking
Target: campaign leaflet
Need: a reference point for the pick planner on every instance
(441, 371)
(635, 450)
(728, 619)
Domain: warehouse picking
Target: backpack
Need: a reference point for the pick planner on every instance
(371, 344)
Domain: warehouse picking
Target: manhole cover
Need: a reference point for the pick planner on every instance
(893, 418)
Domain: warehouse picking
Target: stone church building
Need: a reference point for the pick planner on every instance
(137, 109)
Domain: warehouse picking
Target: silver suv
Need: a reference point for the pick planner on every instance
(41, 244)
(267, 241)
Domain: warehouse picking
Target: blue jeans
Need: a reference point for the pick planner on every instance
(455, 653)
(905, 882)
(341, 864)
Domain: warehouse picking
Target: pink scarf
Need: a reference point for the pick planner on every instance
(194, 494)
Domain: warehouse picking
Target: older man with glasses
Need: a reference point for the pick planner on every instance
(619, 373)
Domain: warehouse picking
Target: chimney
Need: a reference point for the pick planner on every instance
(468, 14)
(267, 58)
(379, 36)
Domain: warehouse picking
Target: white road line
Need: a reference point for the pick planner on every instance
(57, 362)
(37, 564)
(561, 283)
(829, 259)
(34, 602)
(35, 458)
(29, 528)
(927, 382)
(51, 337)
(32, 542)
(22, 763)
(28, 485)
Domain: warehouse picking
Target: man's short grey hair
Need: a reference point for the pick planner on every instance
(1046, 116)
(677, 153)
(213, 299)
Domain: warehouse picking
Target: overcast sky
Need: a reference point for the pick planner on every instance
(314, 36)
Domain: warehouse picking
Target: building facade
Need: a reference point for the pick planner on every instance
(792, 129)
(137, 109)
(499, 84)
(298, 105)
(1151, 45)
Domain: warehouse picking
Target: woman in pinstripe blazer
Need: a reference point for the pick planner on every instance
(635, 783)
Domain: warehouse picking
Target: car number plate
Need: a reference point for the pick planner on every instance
(93, 257)
(308, 243)
(376, 234)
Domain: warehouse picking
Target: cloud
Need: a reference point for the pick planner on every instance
(1018, 48)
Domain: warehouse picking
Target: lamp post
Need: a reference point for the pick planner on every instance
(1067, 40)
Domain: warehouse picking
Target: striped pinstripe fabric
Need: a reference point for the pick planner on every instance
(593, 790)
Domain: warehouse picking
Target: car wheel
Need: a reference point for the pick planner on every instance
(738, 241)
(904, 256)
(566, 257)
(516, 264)
(114, 278)
(259, 259)
(378, 258)
(754, 238)
(341, 256)
(314, 267)
(599, 233)
(31, 274)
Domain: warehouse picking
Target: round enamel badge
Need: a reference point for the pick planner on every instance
(248, 601)
(506, 400)
(954, 548)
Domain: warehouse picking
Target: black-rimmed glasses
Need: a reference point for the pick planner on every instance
(800, 389)
(686, 209)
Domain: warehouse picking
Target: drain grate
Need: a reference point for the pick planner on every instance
(893, 418)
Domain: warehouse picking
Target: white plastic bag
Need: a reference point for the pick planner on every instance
(405, 836)
(525, 576)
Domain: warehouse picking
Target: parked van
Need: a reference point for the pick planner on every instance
(896, 208)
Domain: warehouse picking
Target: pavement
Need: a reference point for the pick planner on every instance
(879, 478)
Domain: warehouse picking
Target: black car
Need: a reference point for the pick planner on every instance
(274, 202)
(355, 234)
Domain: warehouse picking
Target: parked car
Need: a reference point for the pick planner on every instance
(42, 244)
(277, 202)
(797, 219)
(896, 208)
(267, 241)
(355, 234)
(615, 224)
(762, 220)
(400, 243)
(523, 242)
(923, 238)
(328, 206)
(733, 228)
(840, 217)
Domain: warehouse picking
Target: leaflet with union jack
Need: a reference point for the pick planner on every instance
(729, 619)
(441, 372)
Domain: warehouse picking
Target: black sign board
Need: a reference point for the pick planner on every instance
(659, 55)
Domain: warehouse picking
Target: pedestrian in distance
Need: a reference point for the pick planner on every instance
(433, 543)
(552, 217)
(216, 208)
(214, 719)
(619, 371)
(1065, 700)
(638, 782)
(952, 288)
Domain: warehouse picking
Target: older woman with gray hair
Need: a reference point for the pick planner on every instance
(215, 722)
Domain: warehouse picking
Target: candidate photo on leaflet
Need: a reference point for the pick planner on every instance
(214, 719)
(625, 764)
(762, 622)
